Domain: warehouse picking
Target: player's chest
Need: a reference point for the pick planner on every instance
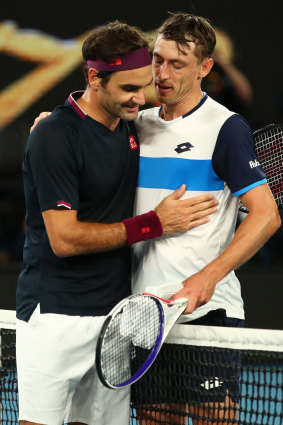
(106, 162)
(177, 141)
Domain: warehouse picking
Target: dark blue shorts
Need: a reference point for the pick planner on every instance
(192, 374)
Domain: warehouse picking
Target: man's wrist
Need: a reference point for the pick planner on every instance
(143, 227)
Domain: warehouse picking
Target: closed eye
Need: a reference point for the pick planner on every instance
(177, 66)
(132, 88)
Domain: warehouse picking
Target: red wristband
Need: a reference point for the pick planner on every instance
(143, 227)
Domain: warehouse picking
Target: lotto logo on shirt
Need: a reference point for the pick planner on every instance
(133, 143)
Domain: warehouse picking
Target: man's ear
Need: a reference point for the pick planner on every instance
(206, 66)
(93, 80)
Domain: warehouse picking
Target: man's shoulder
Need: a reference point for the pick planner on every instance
(230, 120)
(146, 116)
(218, 107)
(148, 113)
(61, 121)
(64, 117)
(61, 130)
(214, 113)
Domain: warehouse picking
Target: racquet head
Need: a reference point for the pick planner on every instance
(269, 150)
(132, 336)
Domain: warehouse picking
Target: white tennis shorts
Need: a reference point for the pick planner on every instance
(57, 379)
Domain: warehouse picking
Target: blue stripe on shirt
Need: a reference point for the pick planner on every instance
(251, 186)
(170, 173)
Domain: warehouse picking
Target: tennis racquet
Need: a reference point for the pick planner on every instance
(132, 335)
(269, 149)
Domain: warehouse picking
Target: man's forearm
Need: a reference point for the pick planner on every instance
(253, 232)
(69, 237)
(250, 236)
(87, 238)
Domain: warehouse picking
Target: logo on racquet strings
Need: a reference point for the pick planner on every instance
(183, 147)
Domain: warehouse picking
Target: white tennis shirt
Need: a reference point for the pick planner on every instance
(211, 150)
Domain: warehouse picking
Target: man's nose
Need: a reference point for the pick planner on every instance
(163, 72)
(139, 98)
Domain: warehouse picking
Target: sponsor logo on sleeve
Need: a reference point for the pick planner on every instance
(254, 163)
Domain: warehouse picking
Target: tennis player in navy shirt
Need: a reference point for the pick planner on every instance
(80, 173)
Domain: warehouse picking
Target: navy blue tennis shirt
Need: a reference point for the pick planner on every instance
(75, 162)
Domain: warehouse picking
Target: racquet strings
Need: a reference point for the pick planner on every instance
(129, 340)
(269, 149)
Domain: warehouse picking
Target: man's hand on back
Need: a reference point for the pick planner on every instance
(40, 117)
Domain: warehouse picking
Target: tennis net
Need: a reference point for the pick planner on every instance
(213, 375)
(8, 374)
(203, 376)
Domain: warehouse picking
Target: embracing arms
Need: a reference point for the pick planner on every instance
(68, 236)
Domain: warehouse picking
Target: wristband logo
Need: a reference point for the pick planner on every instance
(133, 143)
(146, 229)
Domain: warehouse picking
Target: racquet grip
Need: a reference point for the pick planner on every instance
(143, 227)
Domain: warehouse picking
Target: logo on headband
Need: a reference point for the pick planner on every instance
(116, 62)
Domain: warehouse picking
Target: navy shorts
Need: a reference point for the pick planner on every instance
(184, 374)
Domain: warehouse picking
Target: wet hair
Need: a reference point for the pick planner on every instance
(109, 42)
(184, 28)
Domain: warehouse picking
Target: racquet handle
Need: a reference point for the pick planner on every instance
(180, 301)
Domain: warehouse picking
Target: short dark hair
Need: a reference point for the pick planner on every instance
(109, 42)
(183, 28)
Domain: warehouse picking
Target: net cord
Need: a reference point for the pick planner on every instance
(214, 336)
(7, 319)
(235, 338)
